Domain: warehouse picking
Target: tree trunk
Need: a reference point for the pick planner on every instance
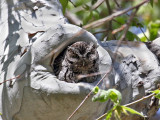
(33, 34)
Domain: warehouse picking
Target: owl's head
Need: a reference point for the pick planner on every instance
(82, 55)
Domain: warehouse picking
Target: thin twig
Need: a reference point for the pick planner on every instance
(97, 4)
(73, 18)
(117, 21)
(18, 76)
(109, 7)
(126, 30)
(90, 75)
(72, 3)
(117, 3)
(110, 22)
(137, 101)
(119, 29)
(126, 105)
(109, 18)
(144, 33)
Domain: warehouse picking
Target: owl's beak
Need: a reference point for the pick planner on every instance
(83, 63)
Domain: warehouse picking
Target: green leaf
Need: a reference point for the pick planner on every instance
(115, 95)
(143, 39)
(93, 2)
(86, 7)
(153, 28)
(104, 95)
(140, 25)
(158, 2)
(137, 23)
(87, 17)
(95, 14)
(109, 114)
(159, 103)
(0, 113)
(64, 4)
(131, 36)
(153, 33)
(95, 89)
(132, 111)
(80, 2)
(151, 2)
(119, 109)
(155, 24)
(101, 96)
(124, 111)
(157, 95)
(117, 115)
(134, 22)
(156, 91)
(121, 19)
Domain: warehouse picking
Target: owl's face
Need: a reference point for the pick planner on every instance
(82, 56)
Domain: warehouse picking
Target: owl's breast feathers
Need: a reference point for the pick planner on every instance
(79, 58)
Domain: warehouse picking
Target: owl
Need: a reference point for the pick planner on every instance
(80, 58)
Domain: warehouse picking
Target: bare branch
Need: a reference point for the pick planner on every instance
(109, 7)
(117, 21)
(110, 22)
(143, 33)
(102, 31)
(72, 3)
(97, 4)
(117, 3)
(73, 18)
(143, 98)
(18, 76)
(119, 29)
(126, 30)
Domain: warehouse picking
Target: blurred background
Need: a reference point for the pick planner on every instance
(146, 21)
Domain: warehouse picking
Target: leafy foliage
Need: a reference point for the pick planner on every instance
(153, 28)
(64, 4)
(151, 2)
(103, 95)
(147, 15)
(157, 93)
(116, 97)
(132, 111)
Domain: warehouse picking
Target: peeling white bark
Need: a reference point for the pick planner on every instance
(33, 33)
(138, 73)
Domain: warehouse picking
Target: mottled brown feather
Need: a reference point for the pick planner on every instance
(80, 58)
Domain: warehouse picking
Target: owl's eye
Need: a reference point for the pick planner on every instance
(71, 62)
(94, 61)
(75, 56)
(89, 54)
